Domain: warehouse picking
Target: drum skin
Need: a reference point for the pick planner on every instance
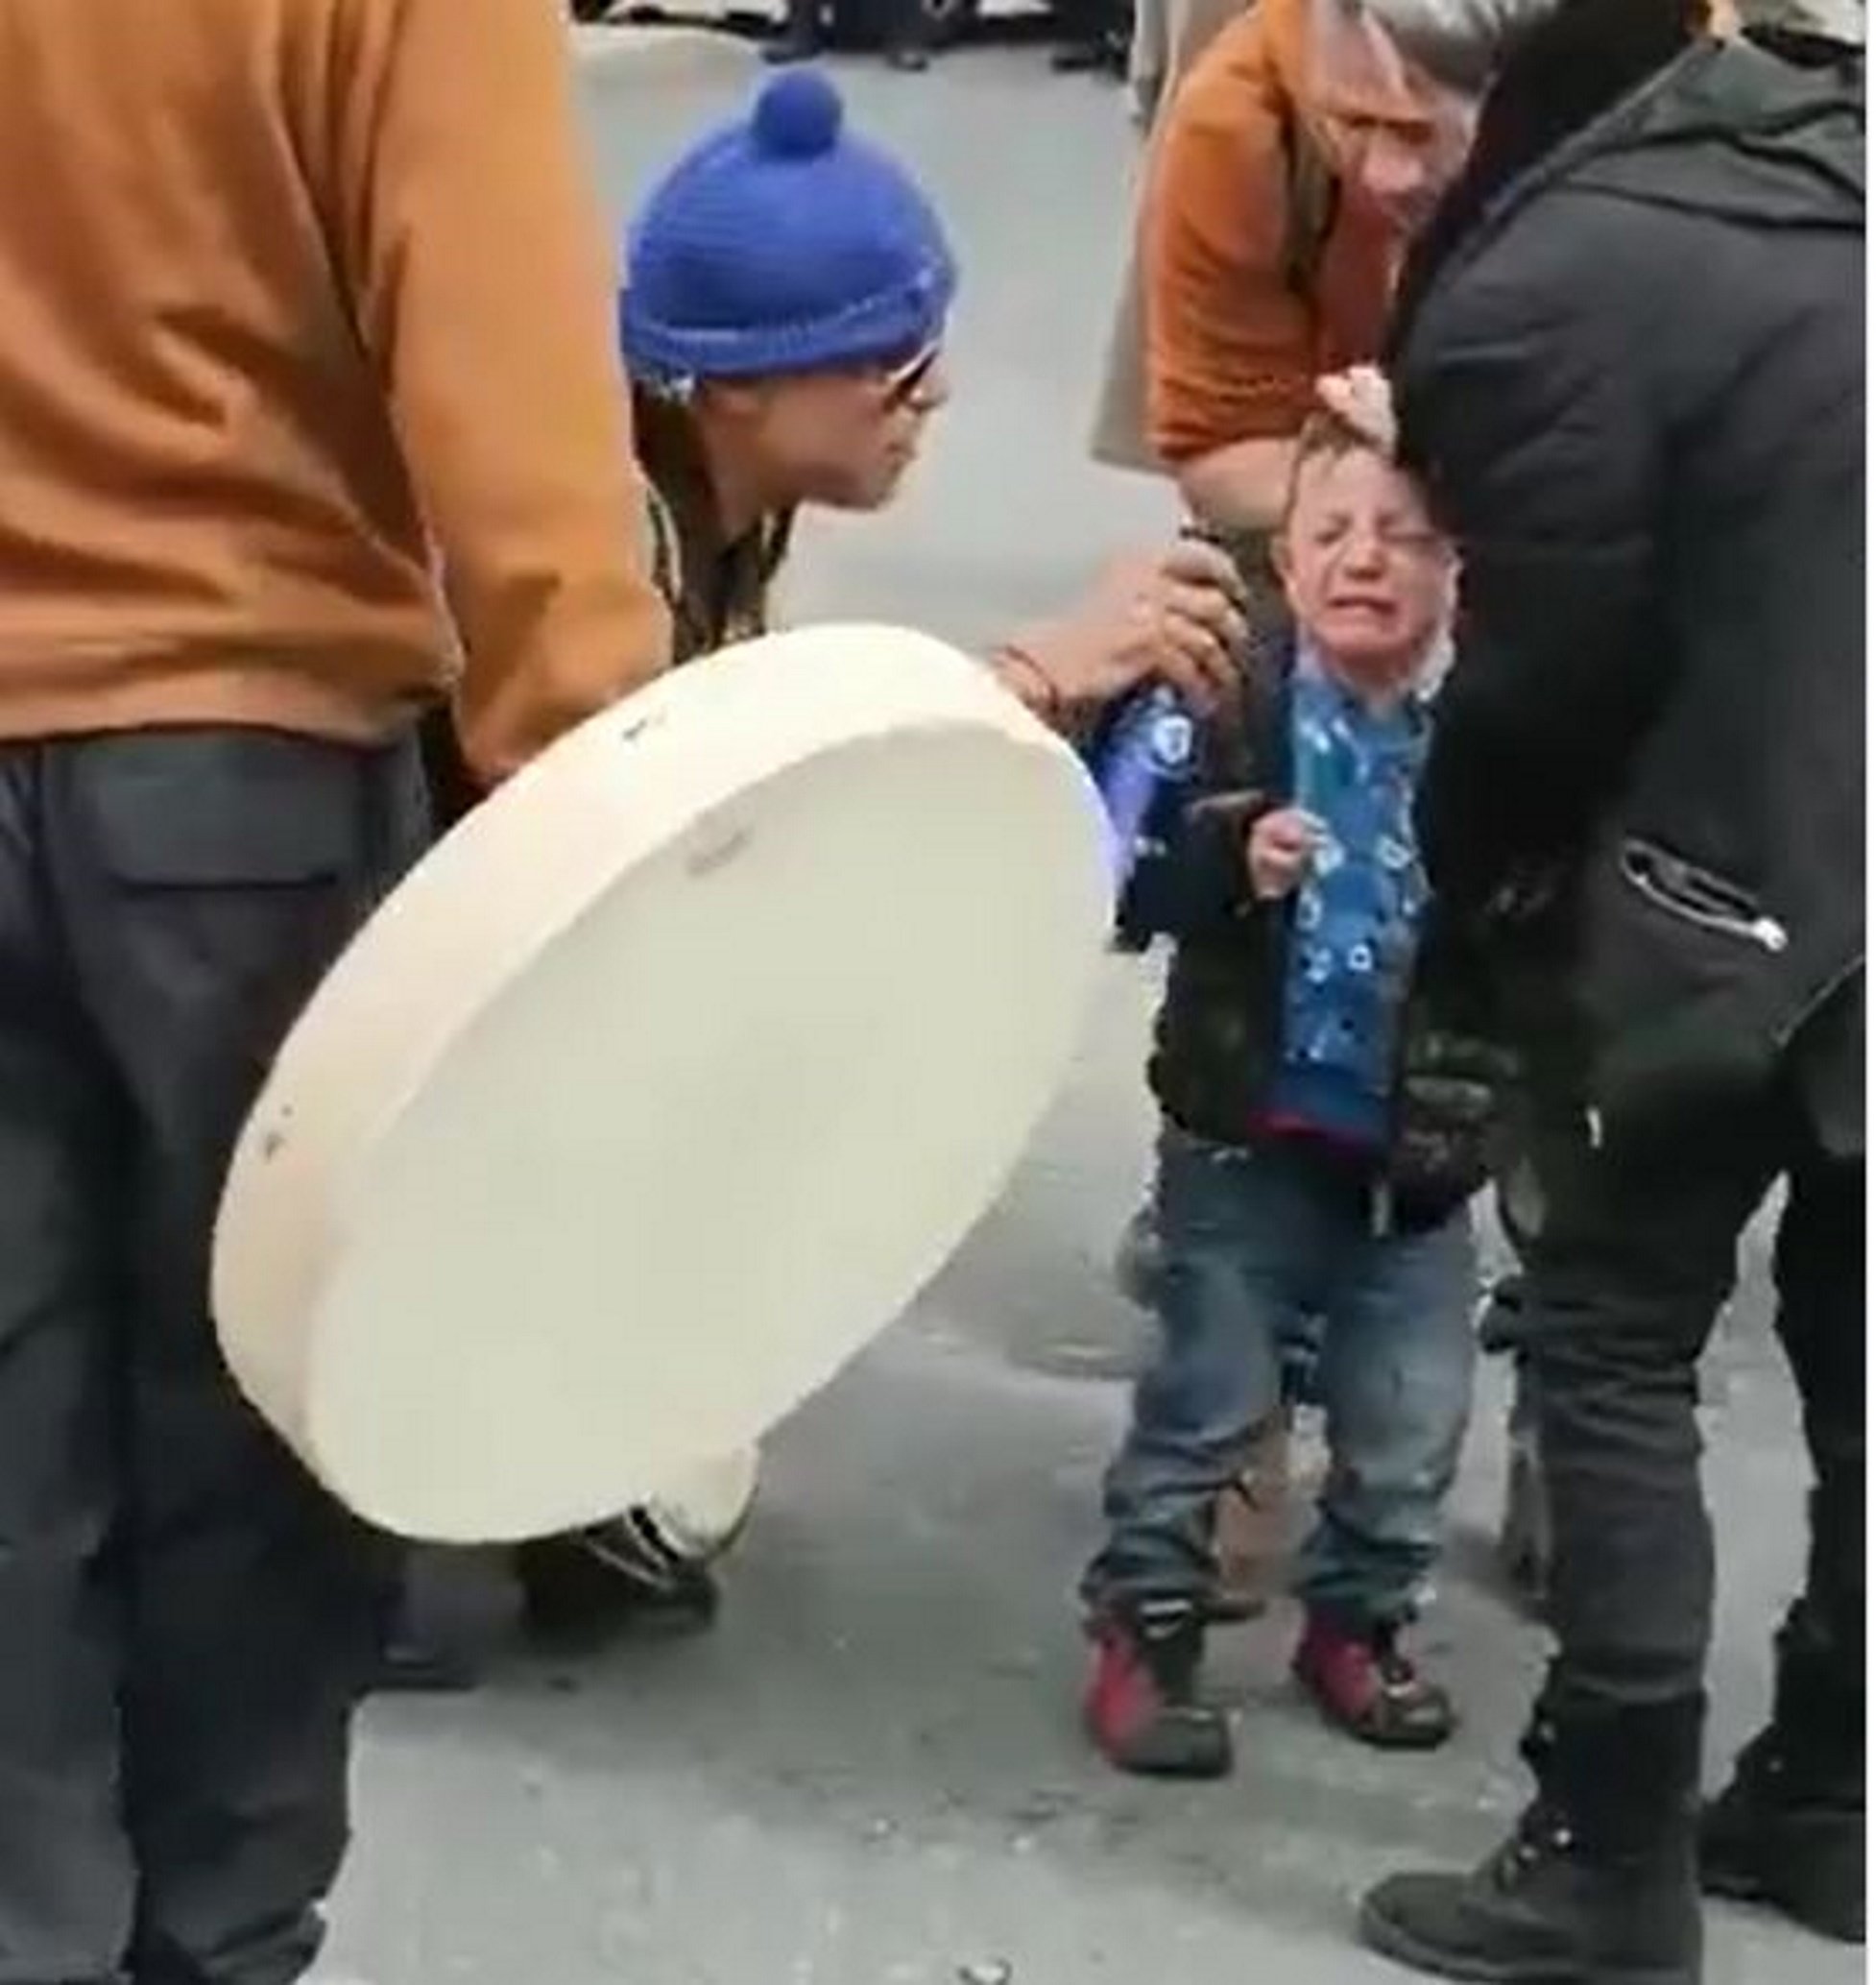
(662, 1084)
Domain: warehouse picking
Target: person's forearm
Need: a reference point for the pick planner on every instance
(487, 302)
(1241, 487)
(1029, 680)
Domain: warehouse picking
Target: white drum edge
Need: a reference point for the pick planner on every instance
(390, 1007)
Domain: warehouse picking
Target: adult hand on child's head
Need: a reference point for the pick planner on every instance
(1279, 850)
(1177, 617)
(1361, 399)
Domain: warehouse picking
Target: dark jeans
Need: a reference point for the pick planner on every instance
(1634, 1258)
(1254, 1244)
(184, 1619)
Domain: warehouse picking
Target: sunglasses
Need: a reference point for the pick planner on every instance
(906, 382)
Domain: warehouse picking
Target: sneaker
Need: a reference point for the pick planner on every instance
(591, 1584)
(1364, 1682)
(1141, 1709)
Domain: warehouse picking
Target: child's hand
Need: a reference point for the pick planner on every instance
(1280, 849)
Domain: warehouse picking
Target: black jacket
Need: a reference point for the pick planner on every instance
(1631, 371)
(1217, 1041)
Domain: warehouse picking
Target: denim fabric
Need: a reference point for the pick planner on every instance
(1254, 1243)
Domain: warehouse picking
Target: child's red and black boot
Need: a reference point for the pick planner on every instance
(1142, 1710)
(1364, 1681)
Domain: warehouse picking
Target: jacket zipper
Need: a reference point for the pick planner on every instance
(1696, 896)
(1817, 1002)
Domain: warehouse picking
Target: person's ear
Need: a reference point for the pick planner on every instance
(1282, 562)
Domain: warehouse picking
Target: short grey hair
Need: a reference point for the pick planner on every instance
(1461, 43)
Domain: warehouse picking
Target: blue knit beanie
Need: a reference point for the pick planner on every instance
(782, 244)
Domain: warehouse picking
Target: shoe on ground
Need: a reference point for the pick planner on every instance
(1771, 1838)
(1540, 1911)
(1142, 1710)
(1364, 1681)
(592, 1584)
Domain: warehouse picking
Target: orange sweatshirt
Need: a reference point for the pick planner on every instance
(1233, 351)
(300, 303)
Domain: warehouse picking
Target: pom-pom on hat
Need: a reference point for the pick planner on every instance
(782, 243)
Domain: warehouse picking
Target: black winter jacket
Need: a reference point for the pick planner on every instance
(1219, 1037)
(1631, 371)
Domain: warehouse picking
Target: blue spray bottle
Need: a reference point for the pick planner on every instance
(1147, 748)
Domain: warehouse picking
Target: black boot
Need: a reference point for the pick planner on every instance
(1788, 1831)
(1596, 1885)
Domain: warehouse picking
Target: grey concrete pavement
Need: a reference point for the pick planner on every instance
(870, 1773)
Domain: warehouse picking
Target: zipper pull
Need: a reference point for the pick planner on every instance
(1771, 934)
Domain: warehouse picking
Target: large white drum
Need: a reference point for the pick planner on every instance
(662, 1084)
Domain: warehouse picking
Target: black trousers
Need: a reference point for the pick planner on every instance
(1635, 1257)
(185, 1621)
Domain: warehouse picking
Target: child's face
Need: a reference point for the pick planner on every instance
(1368, 578)
(845, 439)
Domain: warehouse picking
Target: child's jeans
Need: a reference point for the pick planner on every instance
(1253, 1241)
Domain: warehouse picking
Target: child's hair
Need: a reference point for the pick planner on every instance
(1324, 436)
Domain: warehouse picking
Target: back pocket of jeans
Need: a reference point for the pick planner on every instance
(224, 809)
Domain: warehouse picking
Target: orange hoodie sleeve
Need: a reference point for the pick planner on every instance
(1230, 351)
(487, 302)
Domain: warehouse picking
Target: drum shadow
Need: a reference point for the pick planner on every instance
(897, 1664)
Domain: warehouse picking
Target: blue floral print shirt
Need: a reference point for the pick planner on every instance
(1358, 910)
